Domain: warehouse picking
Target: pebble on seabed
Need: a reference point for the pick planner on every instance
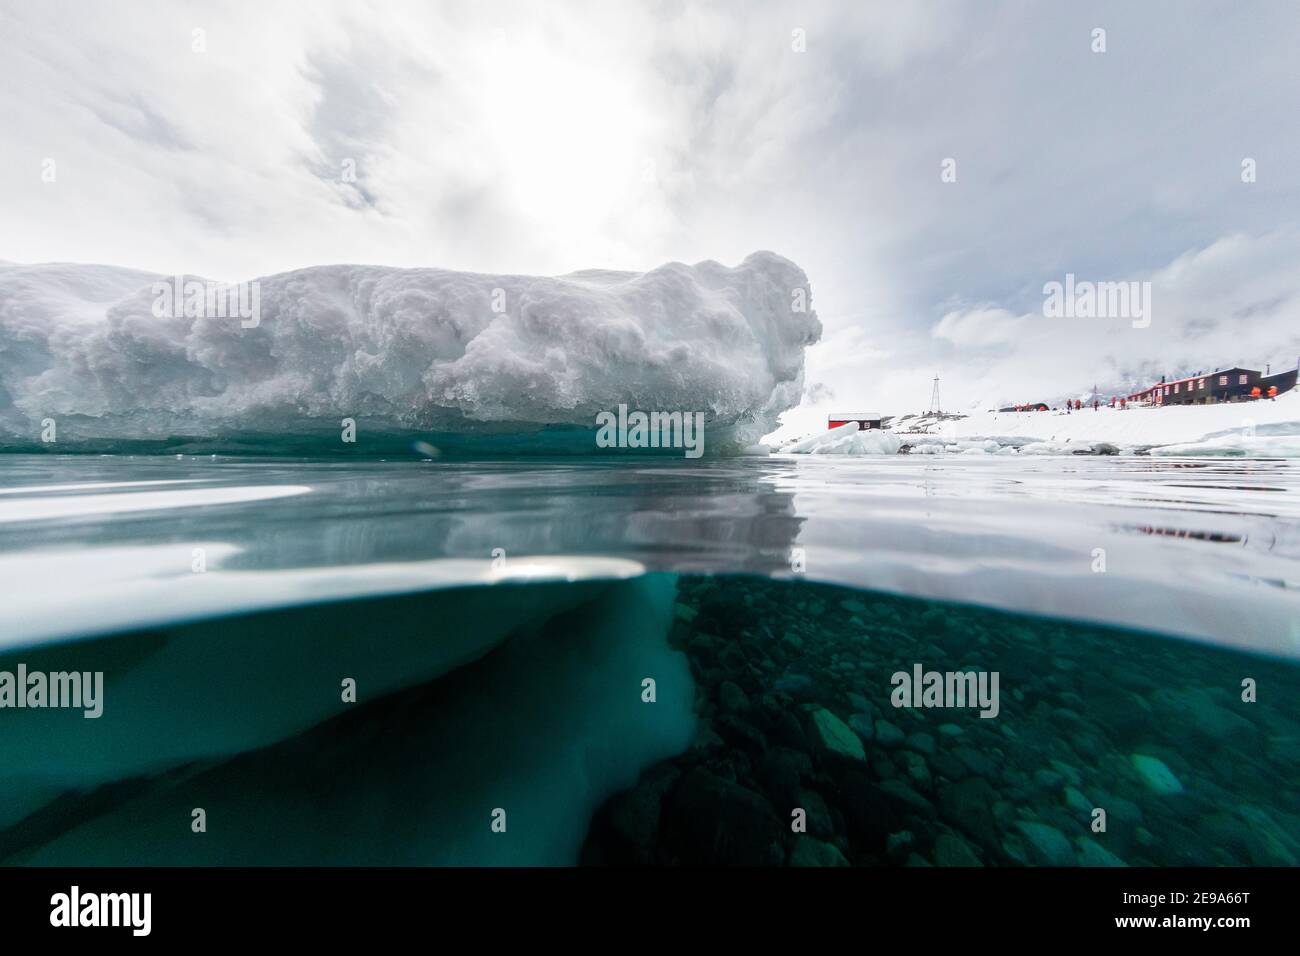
(795, 714)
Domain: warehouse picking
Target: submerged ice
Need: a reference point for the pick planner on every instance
(410, 352)
(542, 714)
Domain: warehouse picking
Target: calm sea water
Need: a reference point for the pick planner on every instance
(652, 660)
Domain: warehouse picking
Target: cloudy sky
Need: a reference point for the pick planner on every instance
(221, 139)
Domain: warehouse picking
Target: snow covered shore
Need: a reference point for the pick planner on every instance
(1250, 429)
(403, 352)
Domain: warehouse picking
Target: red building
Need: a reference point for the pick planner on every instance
(1222, 385)
(864, 419)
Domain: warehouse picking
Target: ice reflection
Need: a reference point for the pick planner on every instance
(1205, 549)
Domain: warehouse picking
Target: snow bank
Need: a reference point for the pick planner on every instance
(1130, 428)
(1238, 445)
(1248, 429)
(848, 439)
(407, 352)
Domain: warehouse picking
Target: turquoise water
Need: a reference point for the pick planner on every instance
(501, 621)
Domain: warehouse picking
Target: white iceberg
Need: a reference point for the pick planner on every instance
(405, 353)
(847, 439)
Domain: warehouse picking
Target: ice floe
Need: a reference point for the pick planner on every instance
(87, 356)
(847, 439)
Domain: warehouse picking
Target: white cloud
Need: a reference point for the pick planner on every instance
(981, 327)
(515, 137)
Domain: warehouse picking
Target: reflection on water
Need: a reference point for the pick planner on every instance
(1213, 555)
(37, 504)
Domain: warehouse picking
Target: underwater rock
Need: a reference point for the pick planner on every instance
(1077, 802)
(820, 823)
(917, 770)
(1048, 780)
(810, 852)
(863, 727)
(724, 823)
(899, 844)
(869, 814)
(922, 743)
(780, 772)
(946, 765)
(1199, 714)
(907, 797)
(1253, 843)
(887, 734)
(952, 850)
(786, 731)
(798, 686)
(1068, 772)
(969, 805)
(1046, 845)
(831, 735)
(1092, 853)
(732, 698)
(1155, 774)
(976, 761)
(741, 734)
(634, 814)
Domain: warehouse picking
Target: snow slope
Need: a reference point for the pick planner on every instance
(1135, 427)
(404, 352)
(1254, 429)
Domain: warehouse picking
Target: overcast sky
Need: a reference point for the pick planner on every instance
(548, 137)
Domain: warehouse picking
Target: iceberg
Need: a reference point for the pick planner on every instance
(846, 439)
(526, 687)
(96, 357)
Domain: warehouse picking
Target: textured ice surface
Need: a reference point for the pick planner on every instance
(404, 352)
(847, 439)
(1237, 445)
(564, 716)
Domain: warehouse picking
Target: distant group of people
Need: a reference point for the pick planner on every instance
(1077, 405)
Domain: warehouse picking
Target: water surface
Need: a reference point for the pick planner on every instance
(500, 620)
